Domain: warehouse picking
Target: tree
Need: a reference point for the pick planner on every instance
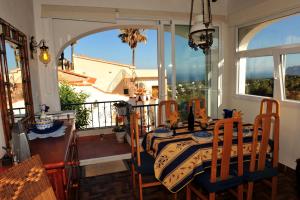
(72, 100)
(132, 36)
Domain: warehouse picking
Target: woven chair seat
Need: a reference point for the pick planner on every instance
(26, 181)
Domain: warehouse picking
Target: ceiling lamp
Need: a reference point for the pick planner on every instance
(201, 33)
(44, 56)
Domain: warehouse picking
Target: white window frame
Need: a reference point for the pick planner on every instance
(276, 52)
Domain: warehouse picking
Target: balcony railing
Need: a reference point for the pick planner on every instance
(103, 114)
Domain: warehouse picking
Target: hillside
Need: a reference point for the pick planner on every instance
(293, 70)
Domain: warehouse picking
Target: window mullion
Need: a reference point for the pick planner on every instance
(277, 89)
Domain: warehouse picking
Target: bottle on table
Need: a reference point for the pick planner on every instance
(191, 119)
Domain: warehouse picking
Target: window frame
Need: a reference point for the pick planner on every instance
(276, 52)
(11, 34)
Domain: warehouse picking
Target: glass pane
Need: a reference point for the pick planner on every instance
(281, 31)
(193, 71)
(256, 74)
(15, 76)
(292, 76)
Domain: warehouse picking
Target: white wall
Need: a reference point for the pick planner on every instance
(290, 113)
(20, 15)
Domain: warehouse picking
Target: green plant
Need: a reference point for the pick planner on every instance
(72, 100)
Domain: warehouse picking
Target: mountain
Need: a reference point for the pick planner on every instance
(293, 70)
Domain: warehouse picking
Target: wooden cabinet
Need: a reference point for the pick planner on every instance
(60, 158)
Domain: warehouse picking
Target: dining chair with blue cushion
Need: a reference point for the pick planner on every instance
(142, 163)
(264, 161)
(222, 174)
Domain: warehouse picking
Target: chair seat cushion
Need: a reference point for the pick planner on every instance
(268, 172)
(147, 164)
(203, 180)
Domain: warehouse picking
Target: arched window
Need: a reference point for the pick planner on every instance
(269, 58)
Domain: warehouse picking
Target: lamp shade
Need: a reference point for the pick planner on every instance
(200, 33)
(44, 55)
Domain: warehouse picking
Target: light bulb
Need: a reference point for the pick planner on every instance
(44, 56)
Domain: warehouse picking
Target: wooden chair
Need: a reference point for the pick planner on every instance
(266, 106)
(222, 175)
(142, 164)
(27, 180)
(199, 105)
(170, 107)
(261, 167)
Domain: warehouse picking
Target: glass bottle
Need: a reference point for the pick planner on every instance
(191, 119)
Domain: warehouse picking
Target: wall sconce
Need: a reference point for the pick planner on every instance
(44, 50)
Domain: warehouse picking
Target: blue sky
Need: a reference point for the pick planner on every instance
(107, 46)
(282, 32)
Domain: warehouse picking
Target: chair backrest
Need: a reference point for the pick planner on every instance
(269, 106)
(134, 136)
(266, 126)
(199, 105)
(170, 107)
(227, 146)
(27, 180)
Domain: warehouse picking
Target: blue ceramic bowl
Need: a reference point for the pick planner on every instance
(202, 134)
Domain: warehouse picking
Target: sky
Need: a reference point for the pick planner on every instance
(282, 32)
(107, 46)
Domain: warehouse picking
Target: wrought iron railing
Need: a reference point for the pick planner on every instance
(147, 116)
(103, 114)
(100, 114)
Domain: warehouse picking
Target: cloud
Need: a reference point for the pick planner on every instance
(291, 39)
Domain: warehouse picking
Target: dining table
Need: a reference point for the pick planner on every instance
(182, 156)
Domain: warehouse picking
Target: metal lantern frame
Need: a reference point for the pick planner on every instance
(201, 37)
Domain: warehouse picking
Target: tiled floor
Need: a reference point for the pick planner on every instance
(101, 146)
(117, 186)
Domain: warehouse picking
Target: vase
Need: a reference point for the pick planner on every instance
(122, 110)
(120, 136)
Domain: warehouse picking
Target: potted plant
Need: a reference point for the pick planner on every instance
(121, 107)
(120, 133)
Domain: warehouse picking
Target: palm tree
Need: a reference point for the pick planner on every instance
(132, 36)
